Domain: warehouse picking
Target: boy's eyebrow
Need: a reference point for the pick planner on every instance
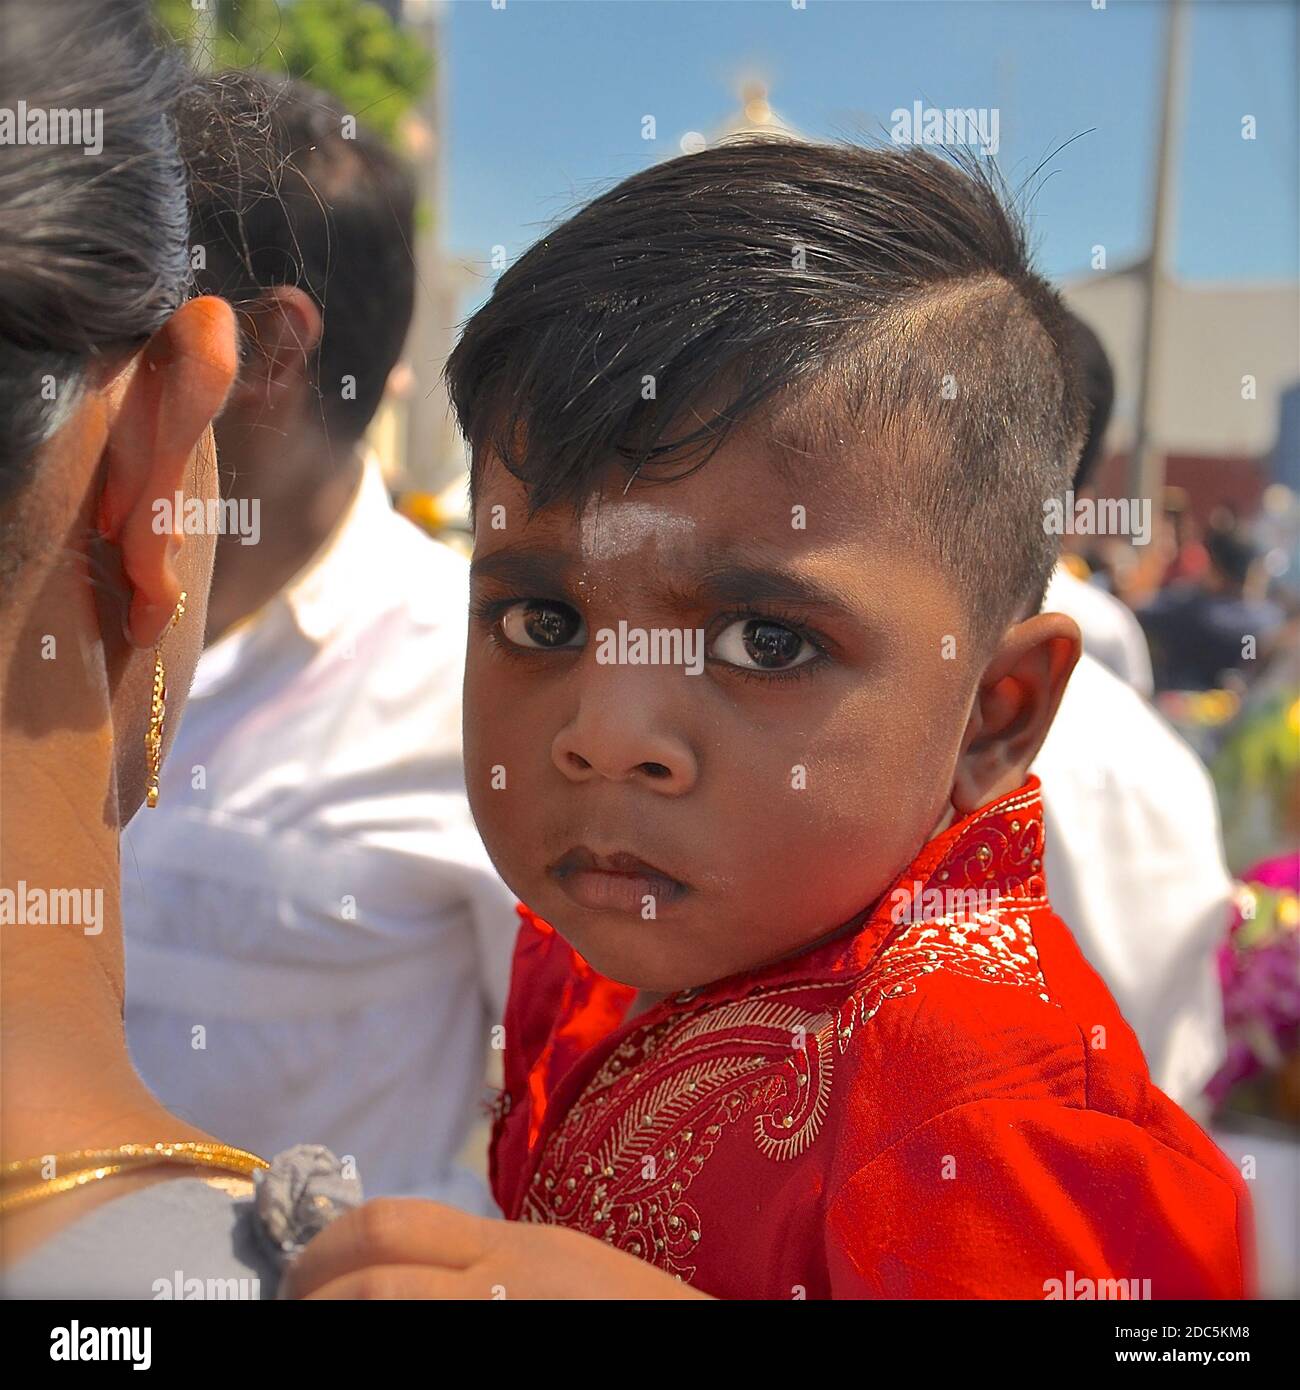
(529, 567)
(544, 569)
(742, 583)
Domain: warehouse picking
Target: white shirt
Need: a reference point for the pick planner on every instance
(311, 894)
(1135, 868)
(1110, 631)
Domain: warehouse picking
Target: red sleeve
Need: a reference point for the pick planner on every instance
(1034, 1200)
(558, 1008)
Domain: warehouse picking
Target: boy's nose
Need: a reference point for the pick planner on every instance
(611, 742)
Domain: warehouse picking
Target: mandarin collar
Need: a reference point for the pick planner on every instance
(322, 597)
(319, 601)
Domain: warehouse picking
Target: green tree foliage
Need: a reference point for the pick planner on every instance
(348, 47)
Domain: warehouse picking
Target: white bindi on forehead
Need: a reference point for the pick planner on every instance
(614, 529)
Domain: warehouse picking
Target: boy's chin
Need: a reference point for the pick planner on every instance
(638, 965)
(633, 969)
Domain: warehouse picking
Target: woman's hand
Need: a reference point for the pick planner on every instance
(404, 1247)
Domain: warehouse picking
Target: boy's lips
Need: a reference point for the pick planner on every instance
(614, 882)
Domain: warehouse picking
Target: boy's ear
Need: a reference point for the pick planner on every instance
(1014, 707)
(282, 330)
(178, 383)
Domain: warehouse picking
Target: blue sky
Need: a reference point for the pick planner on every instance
(546, 99)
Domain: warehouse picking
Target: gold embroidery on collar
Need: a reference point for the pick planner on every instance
(984, 946)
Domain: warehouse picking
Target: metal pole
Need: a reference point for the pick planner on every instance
(1147, 465)
(203, 36)
(431, 453)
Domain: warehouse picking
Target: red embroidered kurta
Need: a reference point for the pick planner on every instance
(951, 1107)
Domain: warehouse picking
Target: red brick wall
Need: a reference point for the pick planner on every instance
(1208, 482)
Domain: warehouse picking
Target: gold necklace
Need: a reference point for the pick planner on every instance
(91, 1165)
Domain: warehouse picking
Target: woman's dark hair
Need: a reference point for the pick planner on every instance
(93, 218)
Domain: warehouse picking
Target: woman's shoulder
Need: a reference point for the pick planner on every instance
(186, 1238)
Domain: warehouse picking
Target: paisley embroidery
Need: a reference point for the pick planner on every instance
(620, 1165)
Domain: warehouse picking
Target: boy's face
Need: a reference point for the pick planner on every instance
(676, 827)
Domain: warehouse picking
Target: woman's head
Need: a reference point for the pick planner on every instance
(109, 378)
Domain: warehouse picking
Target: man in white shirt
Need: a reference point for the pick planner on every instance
(1134, 855)
(1135, 868)
(317, 944)
(1111, 632)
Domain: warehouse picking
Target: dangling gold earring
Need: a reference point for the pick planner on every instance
(153, 739)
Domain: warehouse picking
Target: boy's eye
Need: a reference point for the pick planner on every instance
(542, 624)
(757, 644)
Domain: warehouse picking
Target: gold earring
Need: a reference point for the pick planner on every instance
(153, 739)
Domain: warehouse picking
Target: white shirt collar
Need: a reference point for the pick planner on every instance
(320, 600)
(334, 585)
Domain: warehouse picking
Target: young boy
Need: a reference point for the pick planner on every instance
(762, 441)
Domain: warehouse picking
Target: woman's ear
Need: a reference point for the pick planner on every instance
(1014, 707)
(177, 385)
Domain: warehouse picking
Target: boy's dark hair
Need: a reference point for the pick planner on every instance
(1098, 380)
(93, 254)
(878, 302)
(282, 197)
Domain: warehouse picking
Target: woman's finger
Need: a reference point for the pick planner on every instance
(388, 1231)
(391, 1282)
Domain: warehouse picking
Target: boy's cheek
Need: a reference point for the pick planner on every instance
(497, 750)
